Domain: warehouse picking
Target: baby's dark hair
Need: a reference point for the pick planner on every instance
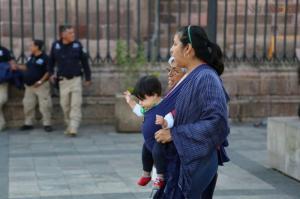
(148, 85)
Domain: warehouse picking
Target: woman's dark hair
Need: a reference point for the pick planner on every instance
(147, 85)
(205, 50)
(39, 44)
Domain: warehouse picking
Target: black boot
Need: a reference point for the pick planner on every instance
(26, 127)
(48, 128)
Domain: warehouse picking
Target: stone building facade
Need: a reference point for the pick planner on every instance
(256, 91)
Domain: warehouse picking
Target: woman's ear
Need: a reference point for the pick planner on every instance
(188, 50)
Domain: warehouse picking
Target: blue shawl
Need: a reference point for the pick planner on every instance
(201, 122)
(149, 128)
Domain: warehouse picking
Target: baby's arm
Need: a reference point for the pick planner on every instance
(169, 120)
(161, 121)
(136, 108)
(166, 122)
(129, 100)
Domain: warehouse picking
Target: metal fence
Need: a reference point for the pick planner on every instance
(272, 35)
(251, 31)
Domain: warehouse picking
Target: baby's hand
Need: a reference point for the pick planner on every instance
(160, 121)
(127, 96)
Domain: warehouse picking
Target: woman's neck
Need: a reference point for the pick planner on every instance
(193, 64)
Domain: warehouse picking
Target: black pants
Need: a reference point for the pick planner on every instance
(205, 177)
(156, 157)
(207, 194)
(209, 191)
(203, 190)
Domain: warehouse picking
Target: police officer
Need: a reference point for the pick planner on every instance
(71, 61)
(37, 87)
(5, 57)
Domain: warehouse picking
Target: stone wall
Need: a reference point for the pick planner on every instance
(98, 101)
(283, 145)
(255, 94)
(259, 93)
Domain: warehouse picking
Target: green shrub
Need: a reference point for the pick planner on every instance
(131, 66)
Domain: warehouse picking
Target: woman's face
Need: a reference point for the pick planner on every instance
(175, 73)
(177, 51)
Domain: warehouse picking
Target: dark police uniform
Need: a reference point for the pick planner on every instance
(36, 69)
(72, 62)
(5, 56)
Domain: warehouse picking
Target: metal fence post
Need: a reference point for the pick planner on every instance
(212, 13)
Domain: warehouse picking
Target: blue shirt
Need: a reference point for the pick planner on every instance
(13, 77)
(71, 60)
(5, 72)
(5, 55)
(36, 69)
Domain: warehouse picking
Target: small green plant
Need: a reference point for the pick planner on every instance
(130, 65)
(121, 55)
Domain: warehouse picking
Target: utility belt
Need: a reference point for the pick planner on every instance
(61, 78)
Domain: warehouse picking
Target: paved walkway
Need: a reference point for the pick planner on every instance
(102, 164)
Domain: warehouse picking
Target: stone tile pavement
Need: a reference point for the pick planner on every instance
(103, 164)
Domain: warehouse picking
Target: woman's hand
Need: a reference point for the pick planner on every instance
(163, 136)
